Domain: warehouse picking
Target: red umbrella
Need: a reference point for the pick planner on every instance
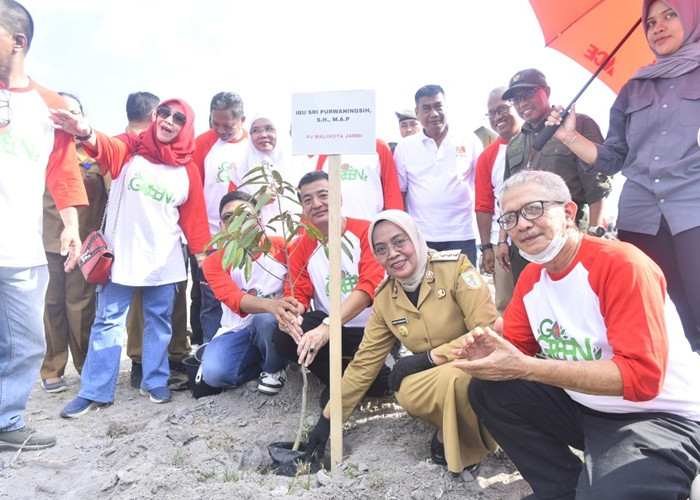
(604, 36)
(588, 30)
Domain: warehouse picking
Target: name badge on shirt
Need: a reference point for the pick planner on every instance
(399, 321)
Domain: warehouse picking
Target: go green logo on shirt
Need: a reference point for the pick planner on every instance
(150, 188)
(560, 346)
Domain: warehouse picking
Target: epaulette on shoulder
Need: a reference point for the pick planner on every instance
(381, 285)
(445, 256)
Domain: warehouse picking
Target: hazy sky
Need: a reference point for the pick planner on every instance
(102, 51)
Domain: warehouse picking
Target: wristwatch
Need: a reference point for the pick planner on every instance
(598, 231)
(485, 246)
(327, 321)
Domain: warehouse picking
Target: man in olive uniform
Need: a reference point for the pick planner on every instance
(529, 93)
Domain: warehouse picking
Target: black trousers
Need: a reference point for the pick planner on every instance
(351, 338)
(677, 256)
(627, 456)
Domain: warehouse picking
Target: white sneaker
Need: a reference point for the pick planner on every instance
(272, 383)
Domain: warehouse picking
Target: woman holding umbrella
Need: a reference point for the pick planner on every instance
(653, 140)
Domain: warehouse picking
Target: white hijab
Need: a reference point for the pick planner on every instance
(405, 222)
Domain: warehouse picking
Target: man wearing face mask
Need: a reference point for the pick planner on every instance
(529, 93)
(592, 356)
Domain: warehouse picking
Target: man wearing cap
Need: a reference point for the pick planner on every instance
(436, 174)
(529, 93)
(408, 123)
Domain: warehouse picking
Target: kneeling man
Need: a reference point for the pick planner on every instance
(242, 349)
(592, 357)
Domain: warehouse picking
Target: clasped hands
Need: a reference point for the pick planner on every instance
(308, 343)
(485, 354)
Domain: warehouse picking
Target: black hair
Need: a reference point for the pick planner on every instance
(235, 196)
(16, 19)
(139, 105)
(75, 98)
(308, 178)
(428, 91)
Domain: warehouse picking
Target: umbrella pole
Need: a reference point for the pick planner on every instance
(548, 132)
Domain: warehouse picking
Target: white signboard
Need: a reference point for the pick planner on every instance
(341, 122)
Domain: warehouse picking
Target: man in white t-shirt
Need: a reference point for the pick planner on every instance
(33, 155)
(242, 349)
(436, 174)
(489, 177)
(592, 357)
(218, 152)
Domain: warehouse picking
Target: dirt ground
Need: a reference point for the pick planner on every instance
(216, 447)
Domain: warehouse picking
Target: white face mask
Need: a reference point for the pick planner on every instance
(550, 252)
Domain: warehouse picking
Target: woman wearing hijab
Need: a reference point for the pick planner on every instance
(265, 146)
(653, 140)
(429, 301)
(155, 198)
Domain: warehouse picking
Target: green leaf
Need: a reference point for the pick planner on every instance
(262, 201)
(347, 251)
(248, 272)
(229, 253)
(238, 258)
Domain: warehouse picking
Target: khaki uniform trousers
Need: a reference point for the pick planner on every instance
(439, 396)
(68, 316)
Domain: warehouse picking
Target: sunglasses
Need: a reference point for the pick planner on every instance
(165, 112)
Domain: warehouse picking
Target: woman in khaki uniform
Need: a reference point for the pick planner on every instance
(429, 301)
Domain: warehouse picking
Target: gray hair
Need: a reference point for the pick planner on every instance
(551, 182)
(228, 101)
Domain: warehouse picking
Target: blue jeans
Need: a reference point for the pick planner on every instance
(233, 358)
(467, 247)
(22, 342)
(209, 312)
(101, 368)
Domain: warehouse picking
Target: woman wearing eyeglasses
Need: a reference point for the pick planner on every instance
(429, 301)
(267, 148)
(155, 198)
(653, 141)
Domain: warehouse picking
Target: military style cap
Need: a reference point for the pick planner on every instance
(525, 79)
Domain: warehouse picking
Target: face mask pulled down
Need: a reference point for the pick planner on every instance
(548, 253)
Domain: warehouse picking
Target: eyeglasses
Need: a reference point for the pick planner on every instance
(269, 129)
(165, 112)
(500, 110)
(525, 95)
(398, 243)
(530, 211)
(5, 111)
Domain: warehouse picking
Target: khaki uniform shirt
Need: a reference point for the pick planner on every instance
(453, 300)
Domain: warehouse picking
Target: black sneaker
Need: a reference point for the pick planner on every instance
(136, 375)
(437, 450)
(177, 366)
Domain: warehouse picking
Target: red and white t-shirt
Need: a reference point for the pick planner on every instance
(150, 207)
(230, 286)
(33, 155)
(610, 303)
(439, 184)
(368, 183)
(362, 272)
(490, 168)
(216, 160)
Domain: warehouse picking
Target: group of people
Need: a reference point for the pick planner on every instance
(583, 347)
